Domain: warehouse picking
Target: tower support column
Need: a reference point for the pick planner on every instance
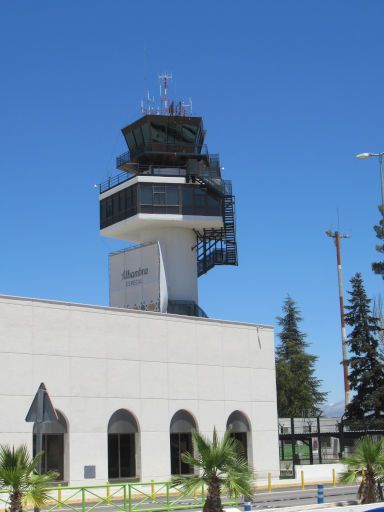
(179, 260)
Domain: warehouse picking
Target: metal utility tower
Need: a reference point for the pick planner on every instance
(336, 235)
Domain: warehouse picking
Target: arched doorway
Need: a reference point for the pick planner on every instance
(123, 445)
(241, 431)
(181, 428)
(54, 445)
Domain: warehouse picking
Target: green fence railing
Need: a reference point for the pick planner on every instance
(124, 497)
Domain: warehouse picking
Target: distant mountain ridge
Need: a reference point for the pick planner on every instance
(335, 409)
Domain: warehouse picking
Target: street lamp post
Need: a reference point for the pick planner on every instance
(364, 156)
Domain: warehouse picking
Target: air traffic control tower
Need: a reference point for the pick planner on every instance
(171, 192)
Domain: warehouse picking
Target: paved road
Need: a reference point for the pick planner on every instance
(290, 497)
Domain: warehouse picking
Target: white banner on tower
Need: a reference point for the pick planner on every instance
(137, 279)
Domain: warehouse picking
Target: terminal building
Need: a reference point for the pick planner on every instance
(130, 382)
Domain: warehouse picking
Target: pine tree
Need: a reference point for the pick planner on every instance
(366, 374)
(378, 312)
(378, 267)
(298, 390)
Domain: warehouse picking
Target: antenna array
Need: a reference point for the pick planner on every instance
(165, 107)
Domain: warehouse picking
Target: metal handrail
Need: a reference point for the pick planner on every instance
(113, 181)
(162, 147)
(125, 497)
(225, 186)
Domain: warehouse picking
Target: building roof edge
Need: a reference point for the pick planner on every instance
(133, 311)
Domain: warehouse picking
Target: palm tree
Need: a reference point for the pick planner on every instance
(19, 477)
(367, 464)
(222, 468)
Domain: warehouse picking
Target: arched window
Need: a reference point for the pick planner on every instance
(123, 445)
(54, 445)
(181, 428)
(241, 431)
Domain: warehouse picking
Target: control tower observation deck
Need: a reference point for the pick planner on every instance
(171, 191)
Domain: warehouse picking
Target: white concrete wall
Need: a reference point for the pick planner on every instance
(96, 360)
(319, 472)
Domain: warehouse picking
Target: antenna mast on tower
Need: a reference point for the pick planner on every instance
(166, 107)
(164, 100)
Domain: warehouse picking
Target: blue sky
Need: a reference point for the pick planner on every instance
(290, 91)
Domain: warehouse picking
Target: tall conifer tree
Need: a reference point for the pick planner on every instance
(378, 267)
(378, 312)
(298, 390)
(366, 375)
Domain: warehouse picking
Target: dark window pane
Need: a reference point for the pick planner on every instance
(103, 211)
(146, 194)
(213, 205)
(123, 198)
(159, 198)
(172, 195)
(127, 455)
(131, 141)
(185, 446)
(242, 438)
(174, 133)
(158, 132)
(180, 443)
(121, 204)
(189, 133)
(134, 197)
(138, 136)
(187, 198)
(200, 198)
(175, 454)
(113, 456)
(109, 206)
(115, 206)
(197, 201)
(55, 454)
(145, 131)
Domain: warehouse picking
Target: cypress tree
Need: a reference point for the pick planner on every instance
(366, 375)
(378, 267)
(298, 389)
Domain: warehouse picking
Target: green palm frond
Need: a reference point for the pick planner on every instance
(239, 480)
(37, 491)
(190, 459)
(367, 464)
(349, 477)
(187, 484)
(221, 465)
(19, 477)
(367, 454)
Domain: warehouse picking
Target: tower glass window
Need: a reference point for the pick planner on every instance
(155, 198)
(146, 195)
(159, 195)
